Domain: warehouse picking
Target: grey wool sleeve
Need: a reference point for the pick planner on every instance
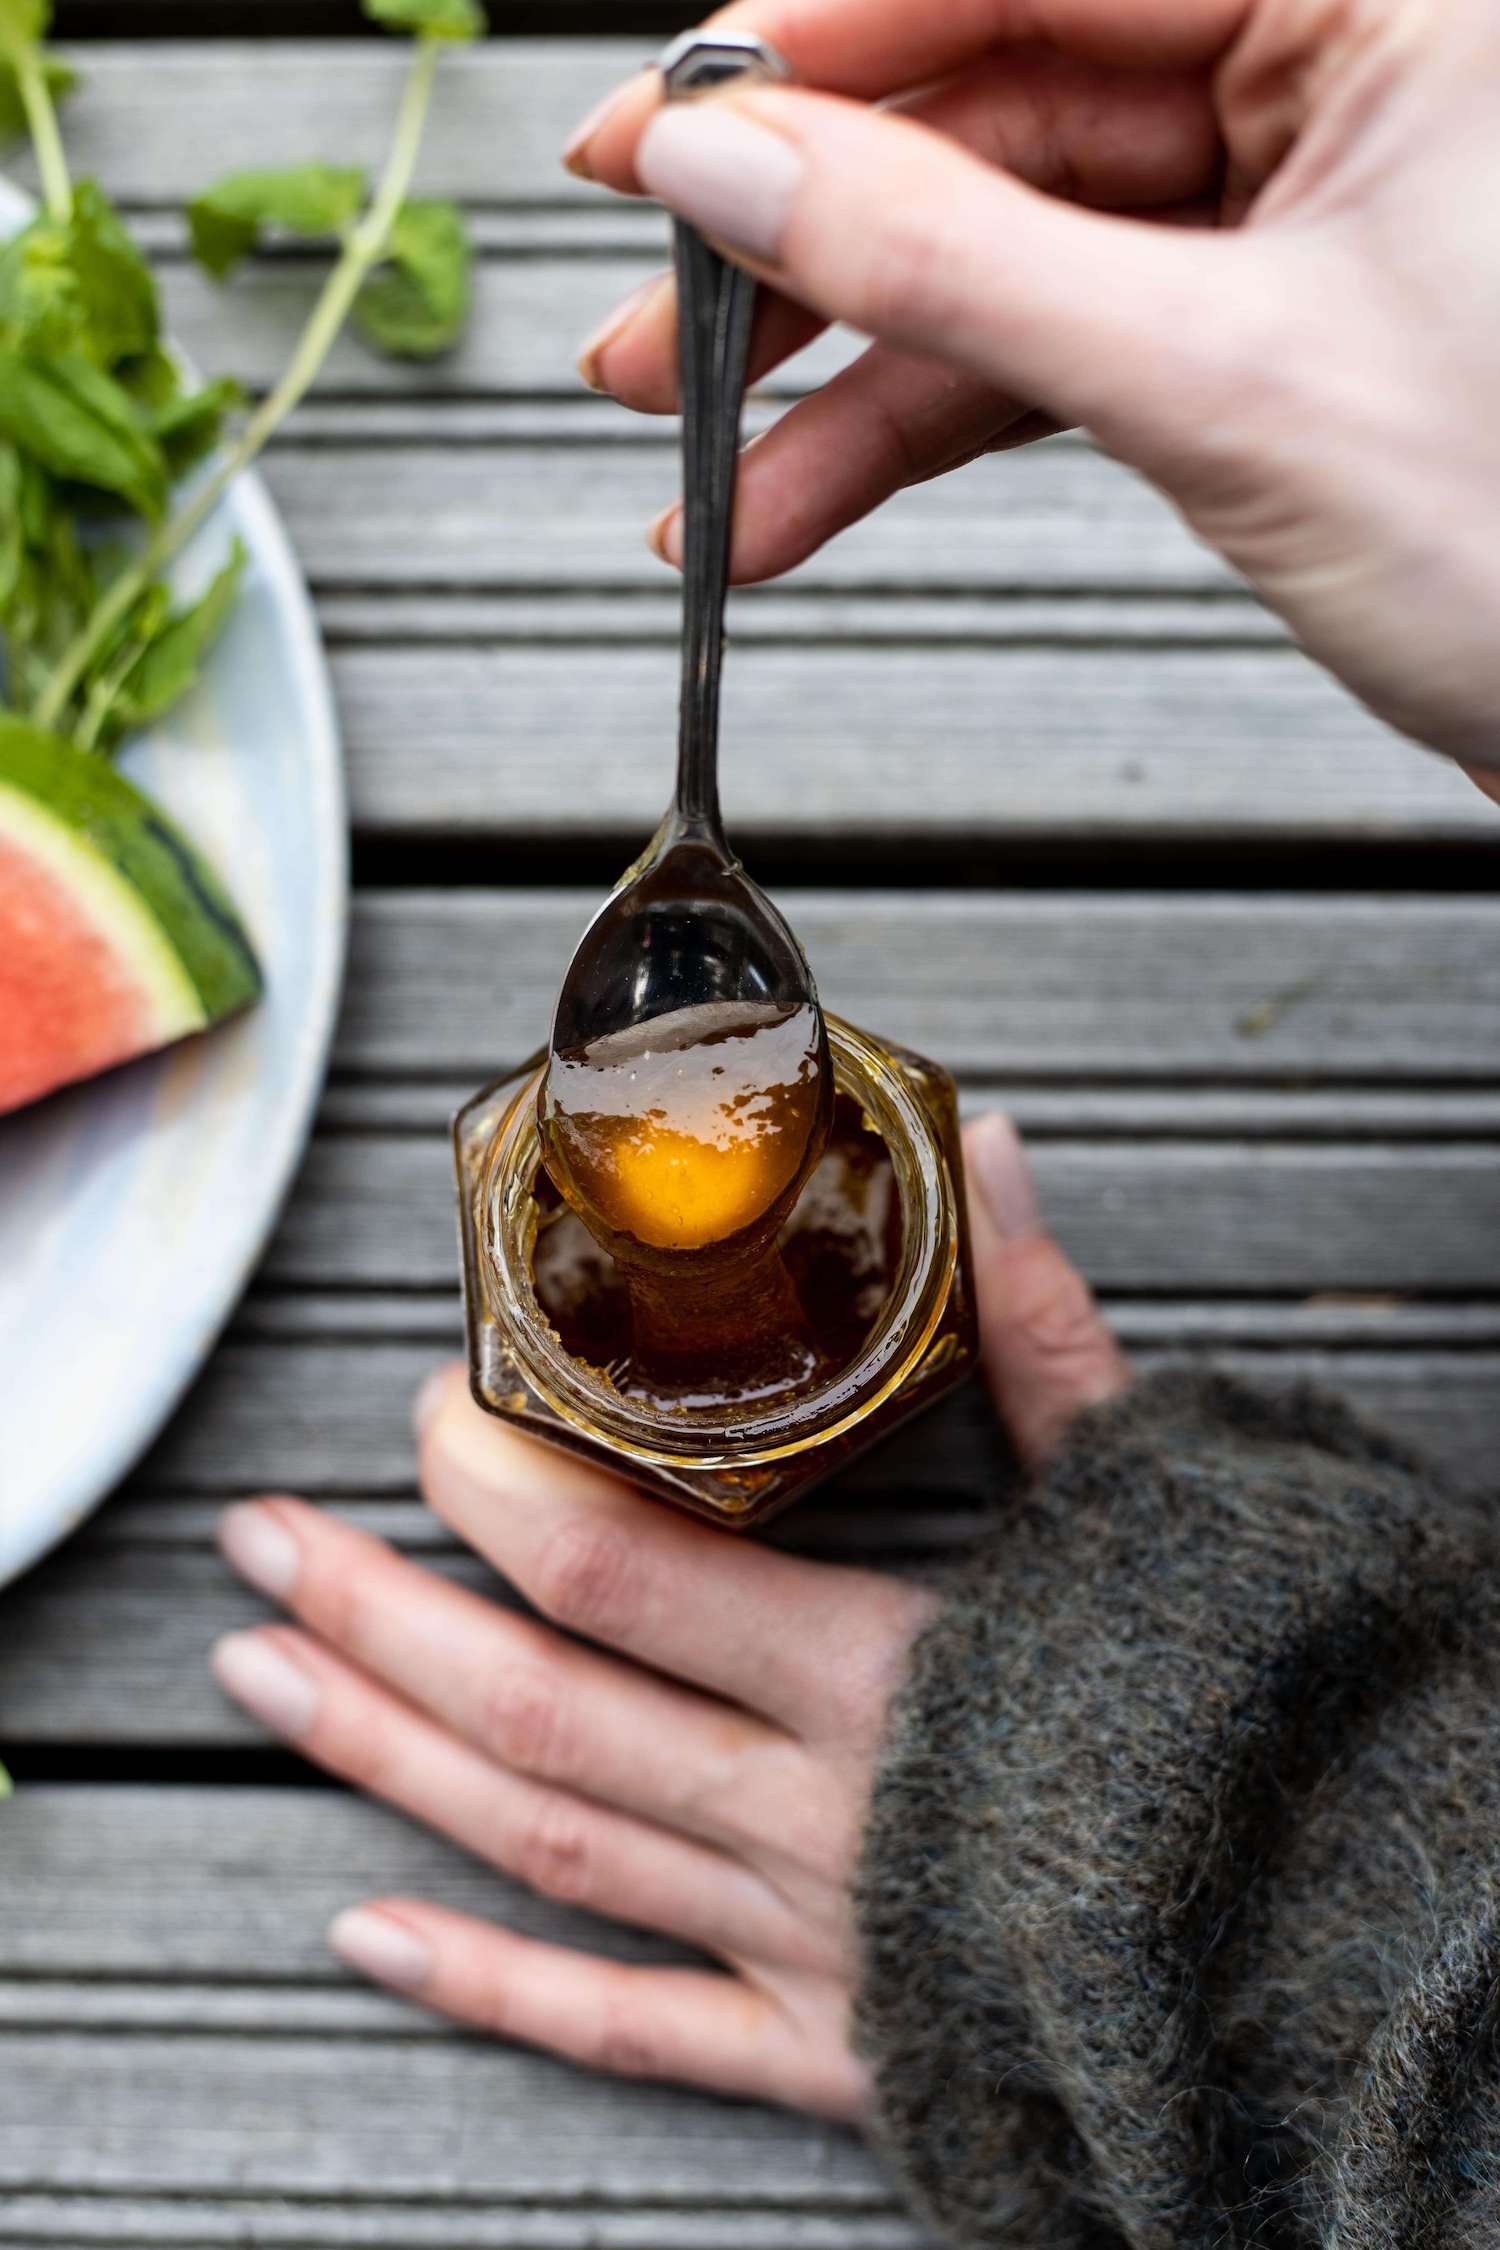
(1180, 1899)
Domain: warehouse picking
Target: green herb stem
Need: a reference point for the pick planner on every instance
(46, 140)
(364, 246)
(102, 695)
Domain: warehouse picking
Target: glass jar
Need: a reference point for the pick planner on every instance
(733, 1462)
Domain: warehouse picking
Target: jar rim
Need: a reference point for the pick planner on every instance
(744, 1435)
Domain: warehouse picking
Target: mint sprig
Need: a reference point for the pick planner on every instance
(94, 415)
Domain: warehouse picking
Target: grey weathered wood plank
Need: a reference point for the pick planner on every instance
(1135, 986)
(135, 2223)
(531, 314)
(1054, 515)
(377, 1212)
(112, 1645)
(890, 744)
(158, 119)
(439, 2120)
(214, 1884)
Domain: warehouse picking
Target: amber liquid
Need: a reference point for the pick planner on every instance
(683, 1145)
(835, 1259)
(687, 1131)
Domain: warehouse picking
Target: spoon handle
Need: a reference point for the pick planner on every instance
(716, 303)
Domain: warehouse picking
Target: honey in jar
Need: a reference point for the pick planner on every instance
(777, 1355)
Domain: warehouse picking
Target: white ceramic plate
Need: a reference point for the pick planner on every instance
(133, 1209)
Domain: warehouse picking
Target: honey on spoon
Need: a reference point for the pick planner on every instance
(689, 1088)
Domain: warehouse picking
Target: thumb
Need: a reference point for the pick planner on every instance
(879, 221)
(1047, 1351)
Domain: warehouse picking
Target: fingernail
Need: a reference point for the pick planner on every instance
(665, 536)
(260, 1548)
(428, 1399)
(275, 1690)
(996, 1163)
(619, 320)
(575, 150)
(731, 176)
(381, 1947)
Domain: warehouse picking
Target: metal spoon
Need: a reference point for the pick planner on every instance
(686, 926)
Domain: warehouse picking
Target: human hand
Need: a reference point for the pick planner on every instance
(698, 1763)
(1306, 362)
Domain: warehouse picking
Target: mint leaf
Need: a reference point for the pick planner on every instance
(38, 289)
(225, 222)
(151, 378)
(169, 651)
(188, 427)
(415, 304)
(77, 422)
(78, 284)
(12, 530)
(430, 19)
(14, 123)
(115, 285)
(54, 590)
(7, 1786)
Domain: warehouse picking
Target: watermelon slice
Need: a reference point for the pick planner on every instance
(115, 938)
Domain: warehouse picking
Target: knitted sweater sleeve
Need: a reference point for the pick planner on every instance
(1179, 1895)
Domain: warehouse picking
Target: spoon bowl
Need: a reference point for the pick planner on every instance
(685, 928)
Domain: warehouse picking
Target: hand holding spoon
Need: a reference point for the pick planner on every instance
(689, 1085)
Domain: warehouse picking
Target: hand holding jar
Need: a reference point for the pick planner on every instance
(697, 1764)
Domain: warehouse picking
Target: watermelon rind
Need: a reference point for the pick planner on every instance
(135, 871)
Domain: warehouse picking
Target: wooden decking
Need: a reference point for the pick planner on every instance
(1046, 794)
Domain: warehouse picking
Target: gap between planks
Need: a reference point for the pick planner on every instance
(422, 1105)
(227, 2221)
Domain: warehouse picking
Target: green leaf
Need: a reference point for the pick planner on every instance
(226, 221)
(14, 124)
(79, 423)
(78, 284)
(7, 1786)
(430, 19)
(55, 588)
(38, 289)
(115, 283)
(415, 304)
(38, 504)
(151, 377)
(12, 526)
(188, 427)
(169, 651)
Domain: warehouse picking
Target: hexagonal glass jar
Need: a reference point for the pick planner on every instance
(732, 1462)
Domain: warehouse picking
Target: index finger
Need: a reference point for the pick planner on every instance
(809, 1645)
(871, 50)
